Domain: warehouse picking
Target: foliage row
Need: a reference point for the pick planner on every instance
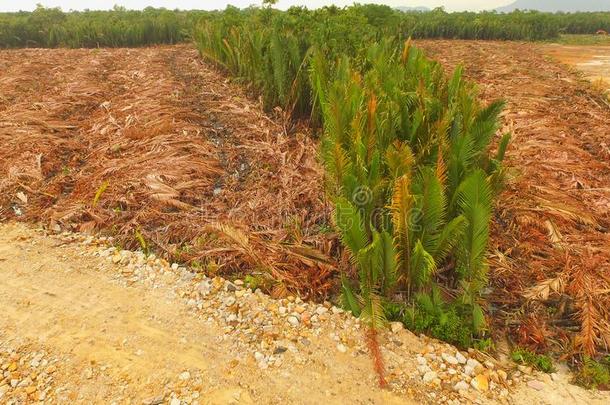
(406, 153)
(50, 27)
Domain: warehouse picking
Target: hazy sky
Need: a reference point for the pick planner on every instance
(450, 5)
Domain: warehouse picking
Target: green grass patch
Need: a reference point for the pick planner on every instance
(540, 362)
(594, 374)
(592, 40)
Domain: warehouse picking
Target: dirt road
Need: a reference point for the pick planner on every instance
(128, 344)
(79, 327)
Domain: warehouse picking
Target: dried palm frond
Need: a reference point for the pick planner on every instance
(544, 289)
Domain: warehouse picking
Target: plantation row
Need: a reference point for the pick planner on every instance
(406, 154)
(46, 27)
(50, 28)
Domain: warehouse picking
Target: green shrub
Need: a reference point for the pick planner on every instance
(538, 361)
(431, 315)
(50, 27)
(594, 374)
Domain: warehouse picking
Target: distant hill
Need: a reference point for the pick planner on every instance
(557, 5)
(407, 8)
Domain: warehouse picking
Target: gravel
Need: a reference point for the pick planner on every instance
(276, 331)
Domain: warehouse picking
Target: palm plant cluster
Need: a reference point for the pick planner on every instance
(406, 154)
(407, 159)
(50, 28)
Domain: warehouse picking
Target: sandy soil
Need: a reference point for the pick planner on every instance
(111, 343)
(593, 61)
(131, 344)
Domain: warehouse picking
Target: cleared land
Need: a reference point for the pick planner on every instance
(551, 255)
(592, 61)
(150, 144)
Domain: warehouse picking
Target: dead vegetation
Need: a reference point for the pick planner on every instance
(551, 255)
(148, 146)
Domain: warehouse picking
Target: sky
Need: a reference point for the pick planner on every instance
(450, 5)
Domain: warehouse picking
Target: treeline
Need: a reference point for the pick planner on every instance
(518, 25)
(406, 152)
(51, 27)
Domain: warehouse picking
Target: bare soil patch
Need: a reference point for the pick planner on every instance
(592, 61)
(80, 326)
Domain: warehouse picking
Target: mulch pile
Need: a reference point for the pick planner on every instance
(550, 264)
(163, 153)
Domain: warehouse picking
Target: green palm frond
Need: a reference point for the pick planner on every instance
(349, 300)
(431, 206)
(449, 238)
(422, 265)
(349, 221)
(373, 313)
(390, 265)
(475, 201)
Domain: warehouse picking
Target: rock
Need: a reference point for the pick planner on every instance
(321, 310)
(158, 400)
(185, 375)
(461, 358)
(480, 383)
(259, 356)
(175, 266)
(423, 369)
(461, 386)
(502, 375)
(231, 287)
(293, 320)
(204, 288)
(229, 301)
(341, 347)
(555, 377)
(535, 384)
(429, 376)
(473, 363)
(279, 350)
(422, 361)
(174, 401)
(449, 359)
(396, 327)
(547, 379)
